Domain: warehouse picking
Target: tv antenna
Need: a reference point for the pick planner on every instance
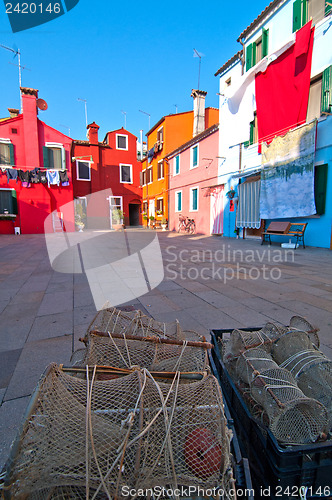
(176, 108)
(17, 53)
(86, 112)
(65, 126)
(200, 55)
(145, 113)
(125, 118)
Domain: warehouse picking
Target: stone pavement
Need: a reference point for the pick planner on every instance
(210, 282)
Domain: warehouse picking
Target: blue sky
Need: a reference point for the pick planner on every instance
(123, 56)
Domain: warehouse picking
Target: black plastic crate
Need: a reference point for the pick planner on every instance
(277, 471)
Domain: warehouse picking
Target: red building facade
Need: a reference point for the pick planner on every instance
(35, 167)
(111, 164)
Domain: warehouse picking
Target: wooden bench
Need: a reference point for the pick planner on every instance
(284, 228)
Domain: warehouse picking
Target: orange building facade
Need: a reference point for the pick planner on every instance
(165, 136)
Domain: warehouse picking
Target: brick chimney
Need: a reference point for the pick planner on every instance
(199, 111)
(93, 133)
(30, 126)
(13, 112)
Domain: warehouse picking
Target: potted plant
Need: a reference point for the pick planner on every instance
(152, 221)
(164, 223)
(117, 219)
(79, 218)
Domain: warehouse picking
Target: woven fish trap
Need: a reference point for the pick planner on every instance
(293, 417)
(302, 324)
(90, 438)
(136, 323)
(311, 369)
(149, 354)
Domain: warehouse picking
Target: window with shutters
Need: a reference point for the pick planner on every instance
(193, 199)
(326, 96)
(257, 50)
(143, 177)
(161, 169)
(83, 170)
(320, 95)
(160, 137)
(177, 165)
(160, 206)
(126, 174)
(149, 175)
(304, 10)
(194, 156)
(320, 188)
(8, 201)
(122, 142)
(178, 201)
(6, 152)
(54, 156)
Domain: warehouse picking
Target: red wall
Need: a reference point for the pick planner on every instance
(38, 201)
(105, 170)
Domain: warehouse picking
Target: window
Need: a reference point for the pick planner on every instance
(54, 156)
(149, 175)
(193, 199)
(8, 201)
(320, 95)
(194, 156)
(143, 178)
(126, 173)
(320, 188)
(177, 165)
(116, 214)
(160, 137)
(326, 103)
(160, 206)
(228, 82)
(83, 170)
(6, 152)
(178, 201)
(253, 132)
(304, 10)
(257, 50)
(145, 207)
(161, 169)
(122, 142)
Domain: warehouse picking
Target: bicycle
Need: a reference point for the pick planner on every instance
(187, 225)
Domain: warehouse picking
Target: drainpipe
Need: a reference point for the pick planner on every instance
(240, 145)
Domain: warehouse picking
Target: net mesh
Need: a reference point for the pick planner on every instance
(293, 417)
(136, 323)
(126, 353)
(90, 438)
(310, 367)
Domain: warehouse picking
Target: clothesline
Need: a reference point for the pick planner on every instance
(44, 169)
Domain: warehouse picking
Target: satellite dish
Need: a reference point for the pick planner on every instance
(41, 104)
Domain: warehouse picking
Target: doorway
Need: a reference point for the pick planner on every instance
(133, 214)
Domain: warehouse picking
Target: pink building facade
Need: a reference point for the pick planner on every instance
(193, 183)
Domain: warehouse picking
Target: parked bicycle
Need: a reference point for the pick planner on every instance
(186, 225)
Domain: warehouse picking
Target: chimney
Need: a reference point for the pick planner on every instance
(93, 133)
(30, 126)
(199, 111)
(13, 112)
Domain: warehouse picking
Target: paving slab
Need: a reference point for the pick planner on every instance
(52, 325)
(11, 416)
(56, 302)
(8, 361)
(35, 357)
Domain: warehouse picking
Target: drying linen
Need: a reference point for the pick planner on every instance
(34, 176)
(24, 176)
(42, 177)
(287, 177)
(12, 174)
(53, 177)
(64, 178)
(282, 91)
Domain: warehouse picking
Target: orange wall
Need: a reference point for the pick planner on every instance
(177, 129)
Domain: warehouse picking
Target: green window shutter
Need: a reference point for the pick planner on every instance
(14, 202)
(265, 42)
(195, 156)
(328, 8)
(194, 191)
(249, 57)
(252, 132)
(320, 188)
(46, 157)
(297, 15)
(11, 153)
(304, 11)
(177, 164)
(246, 144)
(254, 54)
(326, 99)
(179, 202)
